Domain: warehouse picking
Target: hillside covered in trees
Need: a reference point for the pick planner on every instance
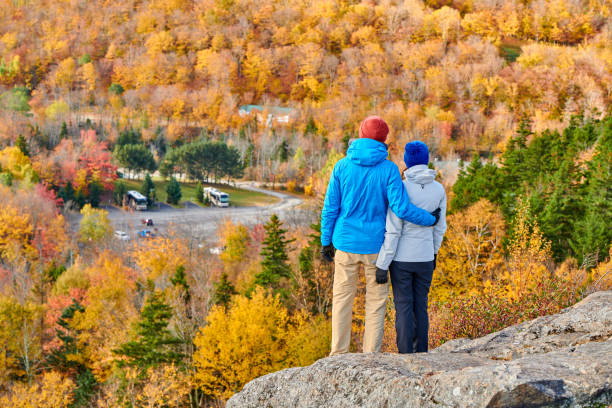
(456, 74)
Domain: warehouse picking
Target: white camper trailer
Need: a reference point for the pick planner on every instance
(137, 200)
(216, 197)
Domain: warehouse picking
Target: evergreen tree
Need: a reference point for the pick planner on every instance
(592, 234)
(224, 290)
(66, 193)
(22, 145)
(179, 280)
(199, 192)
(283, 151)
(249, 155)
(69, 357)
(95, 189)
(274, 253)
(557, 218)
(54, 271)
(476, 182)
(79, 198)
(64, 131)
(129, 137)
(148, 189)
(311, 127)
(173, 190)
(119, 192)
(160, 143)
(154, 344)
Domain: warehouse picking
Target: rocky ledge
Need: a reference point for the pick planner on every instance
(562, 360)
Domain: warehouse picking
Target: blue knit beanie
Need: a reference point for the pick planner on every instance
(416, 153)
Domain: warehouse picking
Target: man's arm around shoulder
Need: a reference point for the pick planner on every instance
(400, 203)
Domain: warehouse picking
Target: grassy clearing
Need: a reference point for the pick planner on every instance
(238, 197)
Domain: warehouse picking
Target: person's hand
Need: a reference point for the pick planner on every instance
(382, 276)
(436, 213)
(328, 252)
(435, 256)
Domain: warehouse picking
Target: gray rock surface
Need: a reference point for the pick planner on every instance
(563, 360)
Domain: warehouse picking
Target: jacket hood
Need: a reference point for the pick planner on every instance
(367, 152)
(420, 174)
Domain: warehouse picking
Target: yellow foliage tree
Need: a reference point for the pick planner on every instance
(13, 160)
(95, 225)
(256, 336)
(65, 74)
(234, 238)
(52, 391)
(471, 252)
(19, 337)
(109, 312)
(15, 229)
(89, 75)
(166, 386)
(530, 256)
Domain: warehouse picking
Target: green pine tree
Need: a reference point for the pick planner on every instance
(95, 190)
(22, 145)
(64, 131)
(475, 182)
(311, 127)
(224, 290)
(274, 264)
(154, 344)
(283, 151)
(66, 359)
(592, 234)
(199, 192)
(66, 193)
(563, 205)
(148, 189)
(173, 190)
(119, 192)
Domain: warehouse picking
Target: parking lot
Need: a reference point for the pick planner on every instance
(203, 221)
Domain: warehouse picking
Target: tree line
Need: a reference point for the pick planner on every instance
(203, 161)
(566, 178)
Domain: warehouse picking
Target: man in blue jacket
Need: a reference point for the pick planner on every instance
(363, 185)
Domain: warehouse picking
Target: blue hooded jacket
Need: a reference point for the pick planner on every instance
(363, 185)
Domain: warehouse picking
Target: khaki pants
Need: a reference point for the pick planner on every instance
(345, 286)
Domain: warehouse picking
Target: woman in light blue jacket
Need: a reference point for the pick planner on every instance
(409, 251)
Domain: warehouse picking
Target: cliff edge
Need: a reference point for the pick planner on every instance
(562, 360)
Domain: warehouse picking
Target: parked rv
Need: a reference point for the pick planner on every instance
(216, 197)
(136, 200)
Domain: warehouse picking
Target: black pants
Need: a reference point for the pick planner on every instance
(410, 282)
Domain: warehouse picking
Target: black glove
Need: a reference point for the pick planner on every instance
(436, 213)
(381, 276)
(328, 252)
(435, 256)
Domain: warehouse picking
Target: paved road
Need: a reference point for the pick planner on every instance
(203, 222)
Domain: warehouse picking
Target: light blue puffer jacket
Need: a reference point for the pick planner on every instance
(361, 188)
(406, 242)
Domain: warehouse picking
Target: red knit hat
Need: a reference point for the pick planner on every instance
(374, 127)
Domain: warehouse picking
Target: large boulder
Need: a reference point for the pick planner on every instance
(562, 360)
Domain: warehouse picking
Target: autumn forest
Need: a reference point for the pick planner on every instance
(98, 97)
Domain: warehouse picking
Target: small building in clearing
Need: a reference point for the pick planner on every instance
(268, 114)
